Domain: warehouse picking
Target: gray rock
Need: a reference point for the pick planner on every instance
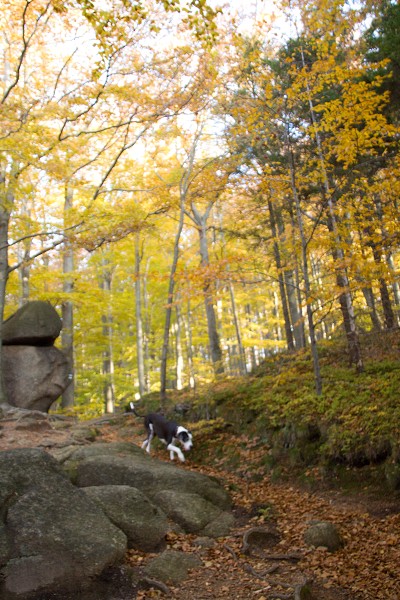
(190, 511)
(109, 464)
(172, 566)
(259, 539)
(70, 456)
(130, 510)
(34, 377)
(221, 526)
(323, 534)
(35, 324)
(53, 538)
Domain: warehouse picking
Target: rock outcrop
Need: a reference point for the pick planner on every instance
(65, 519)
(34, 377)
(35, 324)
(122, 463)
(143, 523)
(53, 538)
(35, 372)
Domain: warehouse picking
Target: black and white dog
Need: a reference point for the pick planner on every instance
(168, 432)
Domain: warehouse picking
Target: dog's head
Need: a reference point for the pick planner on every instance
(185, 438)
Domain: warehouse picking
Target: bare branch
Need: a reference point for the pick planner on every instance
(33, 256)
(26, 40)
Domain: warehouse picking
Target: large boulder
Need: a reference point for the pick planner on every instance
(35, 324)
(34, 377)
(195, 502)
(144, 524)
(53, 538)
(126, 464)
(192, 512)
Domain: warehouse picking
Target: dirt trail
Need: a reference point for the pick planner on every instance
(367, 568)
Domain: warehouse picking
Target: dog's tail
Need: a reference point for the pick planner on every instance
(133, 409)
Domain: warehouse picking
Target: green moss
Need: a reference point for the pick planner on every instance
(356, 421)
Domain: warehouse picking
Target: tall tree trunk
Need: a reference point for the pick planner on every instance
(282, 289)
(295, 314)
(380, 258)
(6, 205)
(4, 223)
(23, 258)
(395, 285)
(370, 302)
(179, 352)
(388, 314)
(67, 332)
(139, 319)
(23, 274)
(368, 293)
(147, 328)
(168, 308)
(305, 269)
(242, 357)
(346, 301)
(183, 191)
(189, 346)
(213, 337)
(108, 355)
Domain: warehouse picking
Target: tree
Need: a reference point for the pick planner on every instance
(382, 51)
(83, 106)
(186, 174)
(208, 184)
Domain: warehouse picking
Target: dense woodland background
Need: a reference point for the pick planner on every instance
(196, 190)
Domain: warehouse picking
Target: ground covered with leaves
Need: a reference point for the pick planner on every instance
(366, 568)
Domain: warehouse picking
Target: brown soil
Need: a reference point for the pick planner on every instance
(366, 568)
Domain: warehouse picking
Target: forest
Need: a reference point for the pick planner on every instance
(197, 187)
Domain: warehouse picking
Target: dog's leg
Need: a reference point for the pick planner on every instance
(177, 450)
(147, 442)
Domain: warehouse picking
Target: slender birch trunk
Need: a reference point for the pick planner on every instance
(189, 346)
(295, 314)
(213, 337)
(67, 332)
(183, 191)
(370, 302)
(108, 354)
(305, 269)
(23, 258)
(139, 319)
(168, 309)
(179, 352)
(282, 289)
(6, 204)
(147, 331)
(242, 357)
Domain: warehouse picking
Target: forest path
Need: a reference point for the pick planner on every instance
(366, 568)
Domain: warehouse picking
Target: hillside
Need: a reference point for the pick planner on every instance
(287, 459)
(349, 434)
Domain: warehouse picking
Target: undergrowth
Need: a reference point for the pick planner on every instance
(355, 422)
